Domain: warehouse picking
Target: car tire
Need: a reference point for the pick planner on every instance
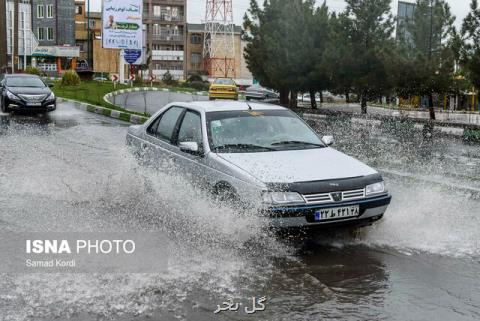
(211, 98)
(4, 107)
(248, 98)
(224, 193)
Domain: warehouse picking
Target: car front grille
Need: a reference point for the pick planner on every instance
(33, 98)
(334, 196)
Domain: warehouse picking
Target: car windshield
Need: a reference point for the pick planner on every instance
(224, 81)
(259, 131)
(24, 82)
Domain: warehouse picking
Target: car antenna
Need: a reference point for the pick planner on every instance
(249, 107)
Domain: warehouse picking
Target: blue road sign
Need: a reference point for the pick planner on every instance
(131, 56)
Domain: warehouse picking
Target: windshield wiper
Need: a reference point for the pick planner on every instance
(296, 142)
(242, 146)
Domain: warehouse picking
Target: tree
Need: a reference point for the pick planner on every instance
(318, 79)
(279, 45)
(471, 33)
(370, 31)
(339, 56)
(428, 56)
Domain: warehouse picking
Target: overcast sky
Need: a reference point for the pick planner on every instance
(196, 8)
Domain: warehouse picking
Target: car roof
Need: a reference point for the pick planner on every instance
(19, 75)
(227, 105)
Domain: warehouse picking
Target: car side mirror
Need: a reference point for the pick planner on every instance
(189, 147)
(50, 85)
(328, 140)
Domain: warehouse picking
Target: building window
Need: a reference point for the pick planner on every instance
(196, 58)
(91, 23)
(41, 34)
(49, 33)
(78, 9)
(196, 39)
(40, 11)
(156, 29)
(156, 11)
(50, 11)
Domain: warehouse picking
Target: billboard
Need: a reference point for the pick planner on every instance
(122, 24)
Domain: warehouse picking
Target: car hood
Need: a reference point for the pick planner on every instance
(298, 165)
(29, 90)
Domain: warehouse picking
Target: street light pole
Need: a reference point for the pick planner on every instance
(88, 34)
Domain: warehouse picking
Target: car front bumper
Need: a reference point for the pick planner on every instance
(371, 210)
(19, 104)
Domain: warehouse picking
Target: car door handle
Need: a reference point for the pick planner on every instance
(143, 146)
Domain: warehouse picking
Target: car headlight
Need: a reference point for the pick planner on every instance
(282, 198)
(11, 95)
(51, 96)
(375, 188)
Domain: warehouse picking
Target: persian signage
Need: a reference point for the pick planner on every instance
(122, 24)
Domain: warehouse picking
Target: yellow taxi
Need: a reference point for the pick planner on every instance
(223, 88)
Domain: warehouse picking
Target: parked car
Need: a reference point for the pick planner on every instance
(223, 88)
(260, 93)
(263, 153)
(26, 92)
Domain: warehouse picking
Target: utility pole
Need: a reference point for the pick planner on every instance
(3, 33)
(16, 6)
(88, 35)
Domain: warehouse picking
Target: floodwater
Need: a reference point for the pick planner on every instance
(70, 171)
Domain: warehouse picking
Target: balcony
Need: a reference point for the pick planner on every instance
(164, 18)
(169, 37)
(170, 55)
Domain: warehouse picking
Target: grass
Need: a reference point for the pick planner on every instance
(92, 92)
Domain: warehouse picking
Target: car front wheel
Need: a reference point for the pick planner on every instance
(4, 105)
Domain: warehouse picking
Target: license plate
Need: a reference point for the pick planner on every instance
(337, 213)
(34, 104)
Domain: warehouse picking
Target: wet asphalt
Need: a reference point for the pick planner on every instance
(70, 171)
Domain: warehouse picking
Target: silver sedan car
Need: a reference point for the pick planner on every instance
(263, 154)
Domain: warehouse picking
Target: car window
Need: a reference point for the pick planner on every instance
(224, 81)
(24, 82)
(166, 123)
(191, 128)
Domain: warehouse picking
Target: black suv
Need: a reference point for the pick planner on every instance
(25, 92)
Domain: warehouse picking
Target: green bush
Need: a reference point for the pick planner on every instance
(168, 79)
(70, 78)
(472, 135)
(194, 78)
(33, 71)
(198, 85)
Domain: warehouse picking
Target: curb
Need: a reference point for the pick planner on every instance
(112, 113)
(108, 96)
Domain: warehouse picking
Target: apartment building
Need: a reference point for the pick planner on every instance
(17, 30)
(165, 22)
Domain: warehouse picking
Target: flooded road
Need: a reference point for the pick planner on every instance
(70, 171)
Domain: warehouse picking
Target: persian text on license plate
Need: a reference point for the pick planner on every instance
(337, 213)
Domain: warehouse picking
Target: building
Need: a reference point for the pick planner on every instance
(53, 22)
(20, 41)
(405, 15)
(194, 61)
(165, 23)
(88, 26)
(54, 27)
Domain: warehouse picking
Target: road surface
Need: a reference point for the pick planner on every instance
(70, 171)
